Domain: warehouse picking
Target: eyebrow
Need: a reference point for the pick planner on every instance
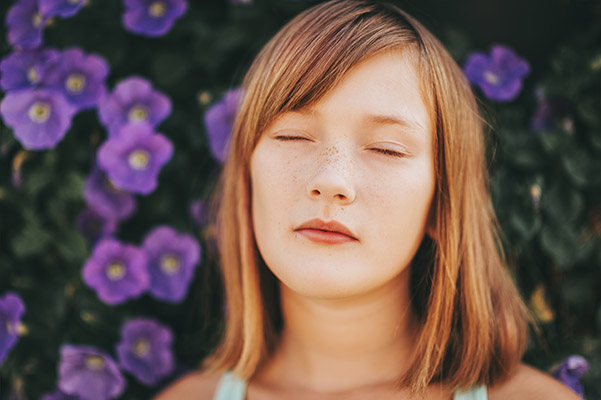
(377, 119)
(394, 120)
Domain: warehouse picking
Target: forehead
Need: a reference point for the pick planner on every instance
(383, 89)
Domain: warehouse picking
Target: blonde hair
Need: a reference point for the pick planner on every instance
(472, 322)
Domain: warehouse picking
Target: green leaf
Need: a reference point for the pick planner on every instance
(30, 241)
(524, 151)
(457, 43)
(589, 110)
(551, 141)
(169, 68)
(563, 203)
(526, 222)
(580, 166)
(72, 186)
(56, 210)
(587, 249)
(72, 246)
(595, 138)
(577, 290)
(37, 180)
(560, 244)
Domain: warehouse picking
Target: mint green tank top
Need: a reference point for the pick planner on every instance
(231, 387)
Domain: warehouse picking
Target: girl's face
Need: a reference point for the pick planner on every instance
(362, 156)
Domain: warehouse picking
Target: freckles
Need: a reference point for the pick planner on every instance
(291, 169)
(333, 158)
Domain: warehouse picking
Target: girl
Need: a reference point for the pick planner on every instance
(357, 239)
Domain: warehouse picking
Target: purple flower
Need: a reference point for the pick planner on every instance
(116, 271)
(500, 75)
(219, 121)
(133, 101)
(172, 259)
(133, 159)
(58, 395)
(11, 310)
(152, 17)
(102, 196)
(145, 350)
(25, 24)
(570, 371)
(61, 8)
(88, 373)
(80, 77)
(26, 69)
(40, 118)
(94, 226)
(198, 212)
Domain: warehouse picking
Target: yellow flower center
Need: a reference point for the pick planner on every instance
(94, 362)
(170, 264)
(138, 113)
(157, 9)
(21, 329)
(141, 347)
(535, 191)
(491, 78)
(75, 83)
(36, 20)
(115, 270)
(139, 159)
(32, 75)
(39, 112)
(596, 63)
(204, 98)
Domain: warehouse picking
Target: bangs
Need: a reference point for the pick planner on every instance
(295, 70)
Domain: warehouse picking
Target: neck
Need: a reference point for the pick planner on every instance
(335, 345)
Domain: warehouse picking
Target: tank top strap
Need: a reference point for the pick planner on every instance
(230, 387)
(477, 393)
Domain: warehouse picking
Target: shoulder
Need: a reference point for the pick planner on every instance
(194, 386)
(529, 383)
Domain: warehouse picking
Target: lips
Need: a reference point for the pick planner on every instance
(329, 232)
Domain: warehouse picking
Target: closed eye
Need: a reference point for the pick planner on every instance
(286, 138)
(388, 152)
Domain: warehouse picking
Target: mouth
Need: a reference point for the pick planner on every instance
(326, 237)
(331, 232)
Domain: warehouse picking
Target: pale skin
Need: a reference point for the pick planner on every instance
(348, 329)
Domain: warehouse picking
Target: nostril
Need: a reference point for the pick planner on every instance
(316, 192)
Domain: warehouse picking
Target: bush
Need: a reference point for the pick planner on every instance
(62, 197)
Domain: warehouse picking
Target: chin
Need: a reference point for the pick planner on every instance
(330, 282)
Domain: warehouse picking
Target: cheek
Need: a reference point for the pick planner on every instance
(274, 186)
(398, 206)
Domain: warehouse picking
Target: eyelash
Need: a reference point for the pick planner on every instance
(389, 152)
(386, 152)
(290, 138)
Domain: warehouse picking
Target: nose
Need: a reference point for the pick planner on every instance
(332, 179)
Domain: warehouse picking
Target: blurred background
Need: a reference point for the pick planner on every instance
(83, 71)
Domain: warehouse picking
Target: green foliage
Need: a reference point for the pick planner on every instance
(547, 194)
(546, 189)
